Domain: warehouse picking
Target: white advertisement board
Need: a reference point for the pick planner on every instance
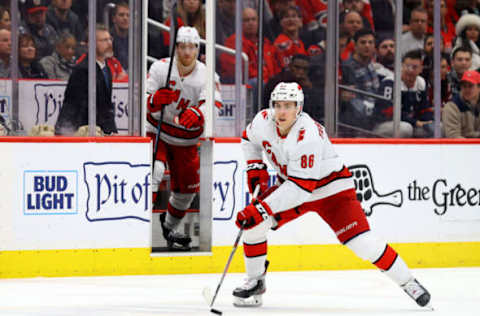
(410, 193)
(97, 195)
(75, 195)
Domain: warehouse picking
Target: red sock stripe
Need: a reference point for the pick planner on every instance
(255, 250)
(175, 212)
(387, 258)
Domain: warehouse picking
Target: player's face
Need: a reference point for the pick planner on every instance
(186, 53)
(285, 115)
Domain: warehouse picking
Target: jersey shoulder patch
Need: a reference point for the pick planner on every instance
(301, 135)
(264, 114)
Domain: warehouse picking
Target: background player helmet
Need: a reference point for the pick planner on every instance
(187, 34)
(287, 91)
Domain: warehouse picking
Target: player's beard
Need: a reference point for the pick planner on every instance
(185, 69)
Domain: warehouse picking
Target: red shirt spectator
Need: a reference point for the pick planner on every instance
(314, 13)
(250, 47)
(288, 43)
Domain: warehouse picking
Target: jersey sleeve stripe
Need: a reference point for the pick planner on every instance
(244, 135)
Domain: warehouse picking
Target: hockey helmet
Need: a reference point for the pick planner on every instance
(187, 34)
(287, 91)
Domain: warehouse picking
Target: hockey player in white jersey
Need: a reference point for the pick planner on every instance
(311, 177)
(183, 106)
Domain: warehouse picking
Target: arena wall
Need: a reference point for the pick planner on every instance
(79, 206)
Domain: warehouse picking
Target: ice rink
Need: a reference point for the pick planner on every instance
(455, 292)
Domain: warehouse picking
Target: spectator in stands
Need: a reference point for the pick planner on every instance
(190, 13)
(350, 22)
(385, 57)
(5, 52)
(274, 27)
(446, 92)
(461, 62)
(461, 116)
(447, 27)
(428, 55)
(250, 47)
(119, 31)
(288, 43)
(44, 35)
(225, 21)
(5, 21)
(60, 64)
(63, 19)
(74, 112)
(415, 38)
(417, 112)
(383, 17)
(408, 7)
(468, 34)
(28, 65)
(363, 9)
(314, 14)
(359, 72)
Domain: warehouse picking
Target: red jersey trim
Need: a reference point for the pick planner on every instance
(310, 185)
(306, 184)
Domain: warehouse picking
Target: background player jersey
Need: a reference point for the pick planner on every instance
(190, 91)
(305, 157)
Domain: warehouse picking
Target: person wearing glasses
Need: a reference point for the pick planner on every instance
(415, 38)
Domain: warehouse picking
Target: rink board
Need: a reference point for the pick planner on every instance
(424, 199)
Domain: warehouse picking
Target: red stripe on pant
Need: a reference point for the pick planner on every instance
(387, 258)
(255, 250)
(175, 212)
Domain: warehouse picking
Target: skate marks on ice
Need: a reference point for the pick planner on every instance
(326, 293)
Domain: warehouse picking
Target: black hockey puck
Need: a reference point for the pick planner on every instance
(216, 311)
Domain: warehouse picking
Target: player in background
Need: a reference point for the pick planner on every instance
(182, 124)
(310, 177)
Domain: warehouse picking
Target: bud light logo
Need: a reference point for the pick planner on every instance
(50, 192)
(117, 190)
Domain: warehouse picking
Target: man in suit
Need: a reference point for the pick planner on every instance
(74, 112)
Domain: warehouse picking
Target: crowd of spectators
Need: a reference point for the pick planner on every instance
(52, 37)
(294, 38)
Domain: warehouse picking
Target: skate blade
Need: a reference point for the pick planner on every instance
(429, 307)
(252, 301)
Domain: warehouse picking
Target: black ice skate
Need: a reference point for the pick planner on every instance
(416, 291)
(176, 241)
(250, 293)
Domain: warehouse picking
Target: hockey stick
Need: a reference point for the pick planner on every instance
(167, 82)
(207, 293)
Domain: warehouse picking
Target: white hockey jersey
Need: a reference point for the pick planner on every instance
(307, 165)
(190, 91)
